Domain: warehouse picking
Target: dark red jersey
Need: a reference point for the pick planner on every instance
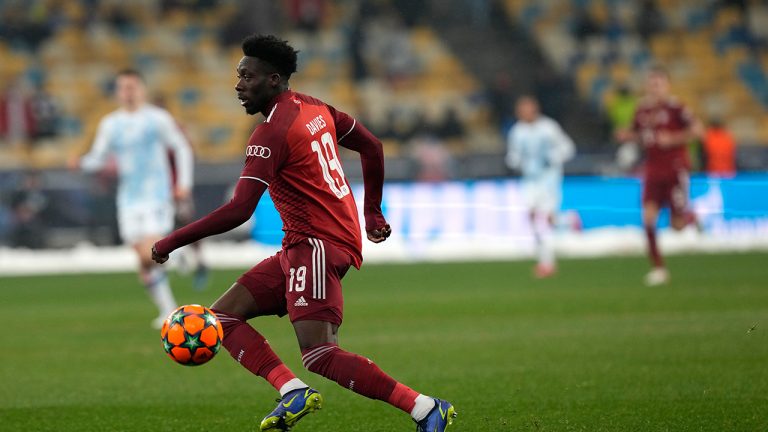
(294, 152)
(653, 118)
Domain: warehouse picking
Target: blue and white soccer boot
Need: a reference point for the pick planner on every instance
(438, 419)
(291, 408)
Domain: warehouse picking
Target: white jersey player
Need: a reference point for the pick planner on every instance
(138, 136)
(538, 147)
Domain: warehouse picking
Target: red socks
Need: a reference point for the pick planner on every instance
(252, 351)
(653, 248)
(358, 374)
(349, 370)
(403, 397)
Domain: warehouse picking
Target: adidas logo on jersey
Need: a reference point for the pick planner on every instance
(301, 302)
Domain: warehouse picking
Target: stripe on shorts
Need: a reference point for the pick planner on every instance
(318, 268)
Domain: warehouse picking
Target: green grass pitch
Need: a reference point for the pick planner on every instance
(590, 350)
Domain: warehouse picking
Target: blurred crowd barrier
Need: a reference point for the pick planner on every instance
(467, 220)
(494, 211)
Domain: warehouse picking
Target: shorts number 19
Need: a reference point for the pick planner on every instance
(331, 166)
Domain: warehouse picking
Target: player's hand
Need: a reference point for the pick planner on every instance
(181, 194)
(156, 257)
(667, 139)
(623, 135)
(380, 234)
(73, 163)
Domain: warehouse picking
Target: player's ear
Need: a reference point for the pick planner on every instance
(275, 79)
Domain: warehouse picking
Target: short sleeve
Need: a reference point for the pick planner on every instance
(265, 154)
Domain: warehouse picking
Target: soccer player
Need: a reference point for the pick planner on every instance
(538, 147)
(138, 136)
(663, 126)
(293, 153)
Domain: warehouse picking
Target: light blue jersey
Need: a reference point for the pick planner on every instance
(139, 141)
(538, 149)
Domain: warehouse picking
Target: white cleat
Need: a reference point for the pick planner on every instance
(657, 276)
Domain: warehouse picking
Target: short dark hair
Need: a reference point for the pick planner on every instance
(130, 72)
(273, 51)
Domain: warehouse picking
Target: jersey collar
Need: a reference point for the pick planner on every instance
(282, 97)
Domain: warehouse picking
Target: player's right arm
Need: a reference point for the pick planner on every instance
(260, 169)
(96, 157)
(227, 217)
(354, 136)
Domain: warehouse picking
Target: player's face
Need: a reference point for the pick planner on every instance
(657, 85)
(527, 110)
(256, 85)
(130, 91)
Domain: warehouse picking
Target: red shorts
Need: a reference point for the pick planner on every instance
(303, 281)
(669, 192)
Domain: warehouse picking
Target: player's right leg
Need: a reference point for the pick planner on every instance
(658, 274)
(141, 227)
(315, 306)
(259, 292)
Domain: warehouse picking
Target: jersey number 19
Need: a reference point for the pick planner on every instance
(330, 164)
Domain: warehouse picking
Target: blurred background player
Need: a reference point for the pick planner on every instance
(663, 126)
(294, 154)
(538, 147)
(138, 136)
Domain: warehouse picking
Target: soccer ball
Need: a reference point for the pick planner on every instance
(191, 335)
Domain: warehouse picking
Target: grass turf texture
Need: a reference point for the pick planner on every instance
(590, 350)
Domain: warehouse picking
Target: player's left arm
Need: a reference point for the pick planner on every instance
(175, 140)
(354, 136)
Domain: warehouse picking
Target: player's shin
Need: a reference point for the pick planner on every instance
(249, 348)
(653, 248)
(155, 280)
(364, 377)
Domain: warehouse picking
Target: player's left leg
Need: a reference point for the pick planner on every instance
(543, 222)
(681, 214)
(259, 292)
(155, 279)
(316, 318)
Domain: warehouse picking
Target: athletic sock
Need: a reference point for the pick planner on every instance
(404, 398)
(545, 241)
(547, 249)
(358, 374)
(653, 248)
(159, 290)
(251, 350)
(293, 384)
(422, 406)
